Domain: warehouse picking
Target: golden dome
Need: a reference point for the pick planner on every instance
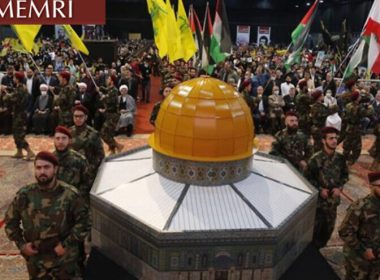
(204, 119)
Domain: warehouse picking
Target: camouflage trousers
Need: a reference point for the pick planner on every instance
(352, 146)
(108, 129)
(325, 217)
(317, 138)
(358, 268)
(51, 267)
(19, 132)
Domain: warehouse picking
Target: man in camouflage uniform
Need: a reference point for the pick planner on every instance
(111, 110)
(292, 144)
(65, 100)
(360, 231)
(72, 166)
(86, 141)
(328, 172)
(18, 100)
(303, 102)
(319, 113)
(352, 144)
(54, 222)
(156, 107)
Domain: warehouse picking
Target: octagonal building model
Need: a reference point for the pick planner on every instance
(197, 203)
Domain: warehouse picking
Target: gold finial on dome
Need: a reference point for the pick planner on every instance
(206, 120)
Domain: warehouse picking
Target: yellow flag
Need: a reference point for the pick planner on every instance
(174, 39)
(17, 46)
(76, 42)
(27, 33)
(187, 40)
(158, 13)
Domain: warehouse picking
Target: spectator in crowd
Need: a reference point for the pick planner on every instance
(127, 109)
(42, 109)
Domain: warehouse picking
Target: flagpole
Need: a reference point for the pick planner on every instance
(87, 69)
(31, 57)
(344, 60)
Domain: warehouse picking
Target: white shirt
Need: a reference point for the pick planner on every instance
(29, 84)
(285, 87)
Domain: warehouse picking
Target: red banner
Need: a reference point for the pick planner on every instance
(52, 12)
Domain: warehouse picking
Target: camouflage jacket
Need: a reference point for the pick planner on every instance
(110, 100)
(360, 228)
(303, 102)
(46, 214)
(327, 171)
(86, 140)
(154, 114)
(65, 99)
(17, 100)
(319, 113)
(73, 169)
(294, 147)
(354, 113)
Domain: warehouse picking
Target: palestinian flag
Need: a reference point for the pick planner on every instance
(299, 35)
(368, 50)
(220, 40)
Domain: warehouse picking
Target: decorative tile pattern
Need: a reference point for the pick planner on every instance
(201, 173)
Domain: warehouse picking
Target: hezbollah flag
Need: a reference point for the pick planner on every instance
(175, 51)
(220, 39)
(158, 13)
(299, 35)
(75, 40)
(27, 33)
(187, 40)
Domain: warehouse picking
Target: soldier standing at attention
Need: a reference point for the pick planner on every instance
(54, 222)
(360, 231)
(292, 144)
(328, 172)
(303, 102)
(72, 166)
(352, 144)
(18, 101)
(86, 141)
(156, 107)
(110, 101)
(65, 100)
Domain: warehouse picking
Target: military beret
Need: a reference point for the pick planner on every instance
(291, 114)
(63, 130)
(373, 176)
(81, 108)
(114, 79)
(355, 95)
(20, 75)
(316, 94)
(329, 129)
(302, 84)
(245, 84)
(350, 83)
(66, 75)
(47, 156)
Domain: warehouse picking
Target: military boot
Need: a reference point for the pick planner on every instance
(30, 155)
(18, 154)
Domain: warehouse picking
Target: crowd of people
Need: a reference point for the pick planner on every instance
(303, 106)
